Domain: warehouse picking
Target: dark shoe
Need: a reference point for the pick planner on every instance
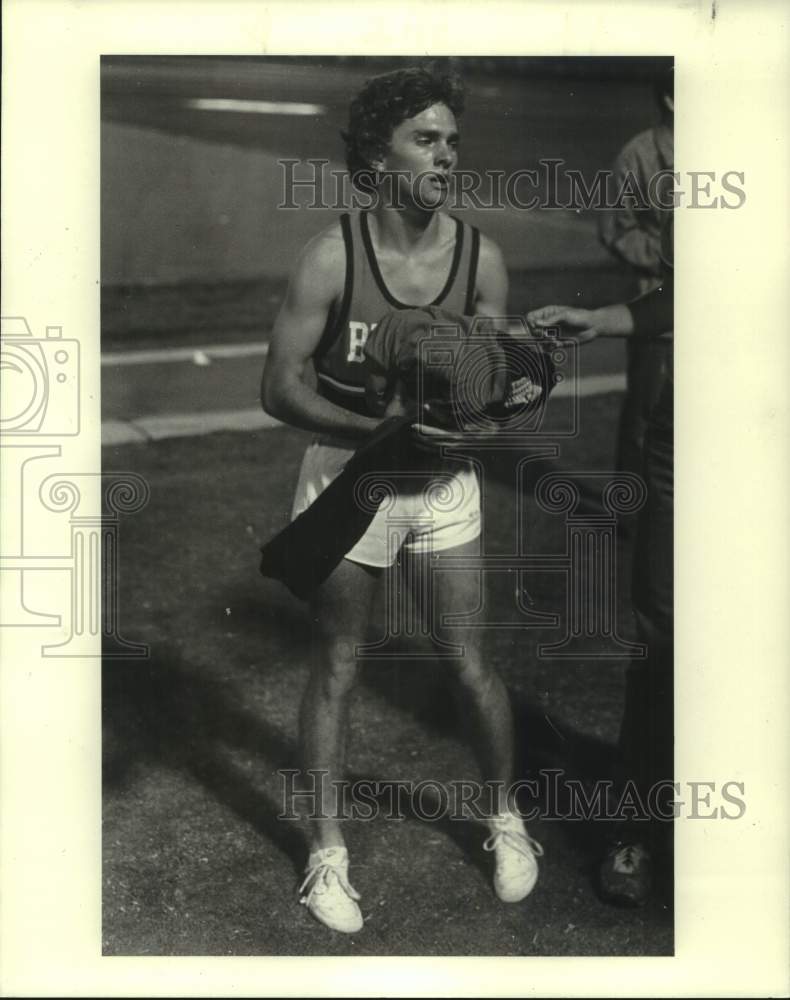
(625, 876)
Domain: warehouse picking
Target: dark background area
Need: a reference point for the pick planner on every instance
(191, 234)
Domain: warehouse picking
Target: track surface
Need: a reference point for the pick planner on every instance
(195, 861)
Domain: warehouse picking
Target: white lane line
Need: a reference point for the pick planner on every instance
(120, 432)
(184, 425)
(255, 107)
(172, 354)
(198, 354)
(156, 428)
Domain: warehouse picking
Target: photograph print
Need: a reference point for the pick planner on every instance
(387, 359)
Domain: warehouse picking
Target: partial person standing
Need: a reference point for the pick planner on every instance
(645, 757)
(641, 186)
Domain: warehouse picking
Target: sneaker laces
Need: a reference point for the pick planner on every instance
(517, 839)
(627, 857)
(319, 872)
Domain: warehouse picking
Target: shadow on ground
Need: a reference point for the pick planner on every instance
(196, 860)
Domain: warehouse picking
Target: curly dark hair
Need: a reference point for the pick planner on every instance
(387, 100)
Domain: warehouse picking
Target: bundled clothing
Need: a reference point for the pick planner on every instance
(462, 371)
(454, 370)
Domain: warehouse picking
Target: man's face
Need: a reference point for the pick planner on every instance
(424, 150)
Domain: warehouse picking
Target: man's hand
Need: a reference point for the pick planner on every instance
(568, 322)
(429, 437)
(582, 325)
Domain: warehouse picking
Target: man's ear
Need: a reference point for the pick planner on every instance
(376, 157)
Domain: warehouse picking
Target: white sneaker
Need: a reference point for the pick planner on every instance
(330, 897)
(516, 855)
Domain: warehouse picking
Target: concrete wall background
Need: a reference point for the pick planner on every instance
(177, 208)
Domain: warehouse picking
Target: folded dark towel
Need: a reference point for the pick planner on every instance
(304, 553)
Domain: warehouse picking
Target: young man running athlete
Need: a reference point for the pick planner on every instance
(404, 252)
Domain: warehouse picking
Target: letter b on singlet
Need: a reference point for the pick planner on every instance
(358, 334)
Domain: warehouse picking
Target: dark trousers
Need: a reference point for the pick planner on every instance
(649, 362)
(647, 733)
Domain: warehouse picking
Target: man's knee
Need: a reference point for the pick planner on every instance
(340, 667)
(471, 670)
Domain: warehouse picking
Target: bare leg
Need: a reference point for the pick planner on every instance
(490, 720)
(484, 696)
(341, 608)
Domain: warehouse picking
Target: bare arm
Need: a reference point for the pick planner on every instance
(492, 282)
(285, 394)
(492, 290)
(648, 316)
(583, 324)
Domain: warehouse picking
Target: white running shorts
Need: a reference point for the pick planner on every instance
(421, 512)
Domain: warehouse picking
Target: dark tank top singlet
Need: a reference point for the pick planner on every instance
(339, 360)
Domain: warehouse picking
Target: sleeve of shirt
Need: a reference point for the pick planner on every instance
(653, 313)
(622, 230)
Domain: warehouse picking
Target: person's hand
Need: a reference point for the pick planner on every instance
(429, 437)
(564, 323)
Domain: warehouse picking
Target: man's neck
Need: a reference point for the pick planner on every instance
(405, 229)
